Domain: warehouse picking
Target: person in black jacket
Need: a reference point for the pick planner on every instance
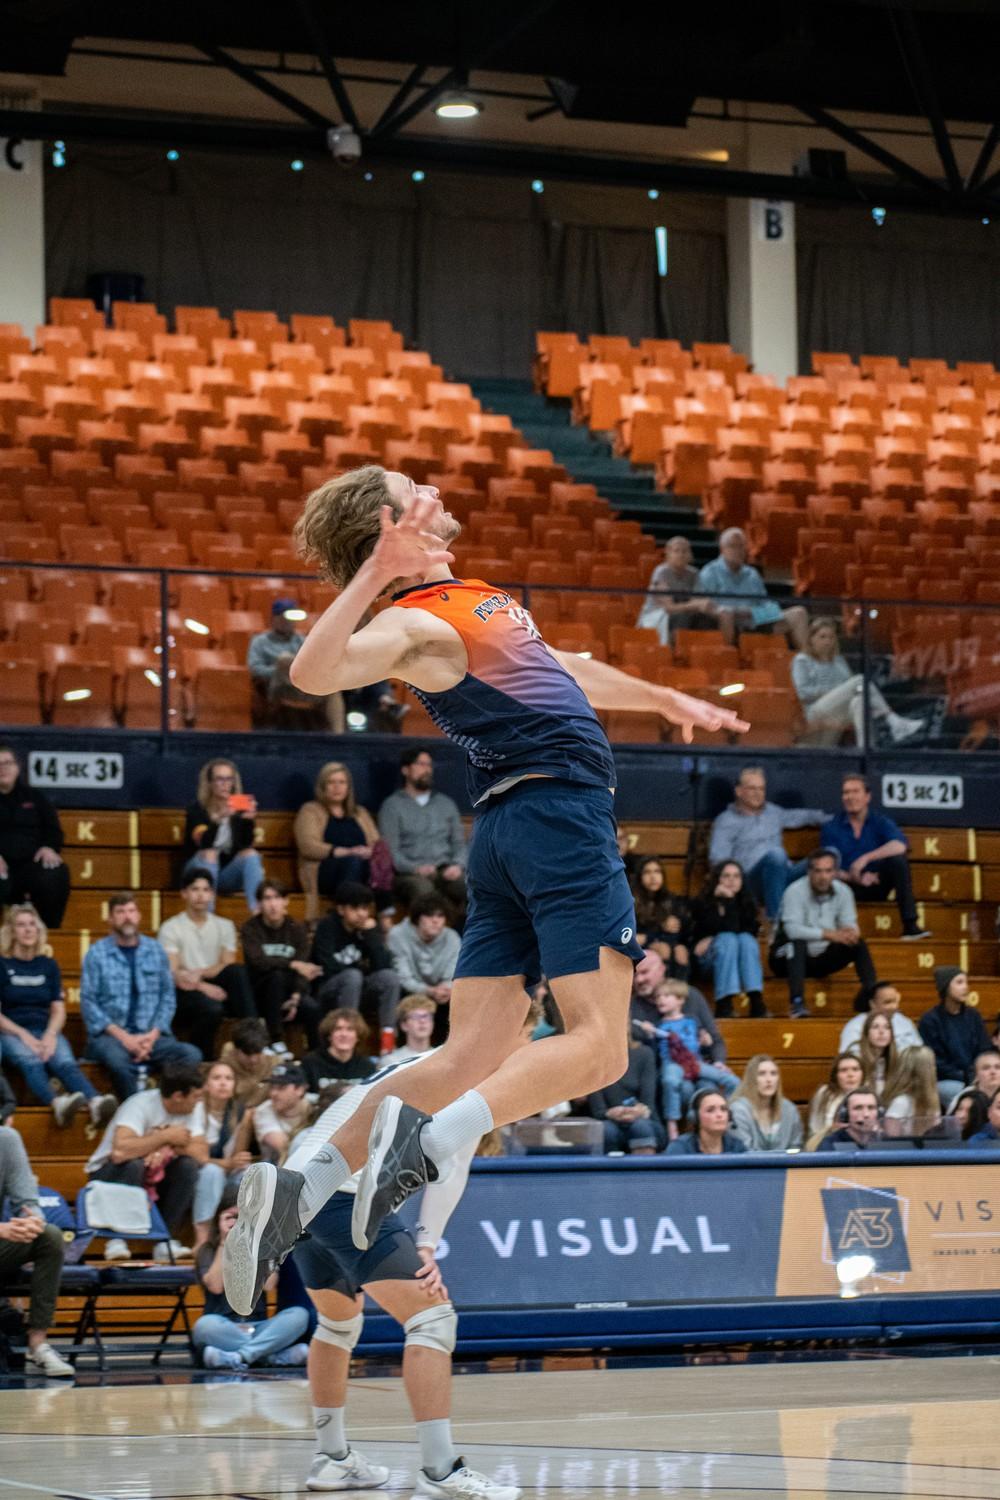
(725, 938)
(280, 971)
(954, 1032)
(339, 1058)
(357, 966)
(31, 866)
(219, 833)
(628, 1107)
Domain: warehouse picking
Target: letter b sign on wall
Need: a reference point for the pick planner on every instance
(772, 221)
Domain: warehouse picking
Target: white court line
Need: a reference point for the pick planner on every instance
(44, 1489)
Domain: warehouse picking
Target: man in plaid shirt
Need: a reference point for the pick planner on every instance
(127, 999)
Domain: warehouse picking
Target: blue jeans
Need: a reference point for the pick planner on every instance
(769, 877)
(244, 873)
(62, 1065)
(631, 1135)
(734, 959)
(270, 1337)
(678, 1091)
(124, 1072)
(212, 1182)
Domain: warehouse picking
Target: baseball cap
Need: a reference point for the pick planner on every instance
(285, 606)
(287, 1073)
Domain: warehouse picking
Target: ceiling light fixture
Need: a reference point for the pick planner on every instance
(457, 107)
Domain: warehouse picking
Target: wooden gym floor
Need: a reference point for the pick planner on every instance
(924, 1429)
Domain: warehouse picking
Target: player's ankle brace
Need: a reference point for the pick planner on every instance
(342, 1335)
(434, 1328)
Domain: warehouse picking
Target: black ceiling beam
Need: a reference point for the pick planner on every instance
(984, 158)
(307, 11)
(412, 80)
(134, 129)
(265, 86)
(911, 43)
(457, 76)
(871, 148)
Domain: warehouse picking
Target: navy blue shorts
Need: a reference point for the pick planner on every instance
(547, 886)
(329, 1260)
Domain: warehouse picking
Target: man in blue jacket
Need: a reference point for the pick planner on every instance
(127, 1000)
(872, 850)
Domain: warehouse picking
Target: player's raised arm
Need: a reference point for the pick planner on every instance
(607, 687)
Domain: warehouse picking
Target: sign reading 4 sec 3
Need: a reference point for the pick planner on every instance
(923, 791)
(102, 772)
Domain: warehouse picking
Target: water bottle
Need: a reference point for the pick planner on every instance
(387, 1041)
(142, 1077)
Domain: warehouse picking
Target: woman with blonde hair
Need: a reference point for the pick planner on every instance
(833, 697)
(876, 1049)
(762, 1117)
(32, 1017)
(219, 832)
(334, 835)
(911, 1091)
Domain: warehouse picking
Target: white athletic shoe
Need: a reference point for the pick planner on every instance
(65, 1108)
(165, 1254)
(465, 1481)
(101, 1108)
(45, 1359)
(116, 1249)
(354, 1472)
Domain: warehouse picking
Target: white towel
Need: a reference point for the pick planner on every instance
(117, 1207)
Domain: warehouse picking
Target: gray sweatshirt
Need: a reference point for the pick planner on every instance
(17, 1180)
(785, 1134)
(428, 835)
(747, 837)
(805, 915)
(421, 964)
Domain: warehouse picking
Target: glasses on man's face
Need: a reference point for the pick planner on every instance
(225, 780)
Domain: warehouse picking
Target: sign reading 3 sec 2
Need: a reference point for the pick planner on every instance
(922, 791)
(104, 772)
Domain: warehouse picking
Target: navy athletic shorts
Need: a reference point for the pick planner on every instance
(547, 886)
(329, 1260)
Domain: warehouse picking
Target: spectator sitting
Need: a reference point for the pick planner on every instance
(425, 950)
(415, 1022)
(988, 1138)
(986, 1072)
(682, 1068)
(201, 950)
(269, 658)
(661, 919)
(627, 1108)
(227, 1131)
(32, 1017)
(871, 851)
(970, 1109)
(749, 832)
(833, 697)
(25, 1237)
(885, 998)
(730, 574)
(334, 837)
(127, 1001)
(725, 939)
(818, 933)
(8, 1104)
(910, 1096)
(763, 1118)
(219, 833)
(283, 1112)
(954, 1031)
(31, 866)
(662, 610)
(424, 833)
(877, 1052)
(859, 1124)
(157, 1138)
(223, 1339)
(251, 1060)
(278, 966)
(338, 1058)
(650, 975)
(710, 1133)
(846, 1075)
(357, 965)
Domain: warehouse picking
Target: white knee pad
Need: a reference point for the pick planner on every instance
(342, 1335)
(434, 1328)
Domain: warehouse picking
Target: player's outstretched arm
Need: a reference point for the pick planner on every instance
(607, 687)
(336, 655)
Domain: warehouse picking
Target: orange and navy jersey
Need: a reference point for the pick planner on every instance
(516, 712)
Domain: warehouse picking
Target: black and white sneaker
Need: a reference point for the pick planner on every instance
(464, 1482)
(396, 1168)
(265, 1231)
(916, 932)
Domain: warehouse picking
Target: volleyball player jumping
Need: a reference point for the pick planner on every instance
(547, 887)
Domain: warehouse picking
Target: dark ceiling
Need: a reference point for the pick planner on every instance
(877, 56)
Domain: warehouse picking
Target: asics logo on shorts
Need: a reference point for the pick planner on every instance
(626, 934)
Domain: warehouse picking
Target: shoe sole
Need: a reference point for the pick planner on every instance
(241, 1252)
(379, 1141)
(368, 1484)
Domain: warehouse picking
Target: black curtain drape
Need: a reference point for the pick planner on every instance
(466, 267)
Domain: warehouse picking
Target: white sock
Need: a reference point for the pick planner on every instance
(324, 1174)
(455, 1126)
(437, 1450)
(331, 1438)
